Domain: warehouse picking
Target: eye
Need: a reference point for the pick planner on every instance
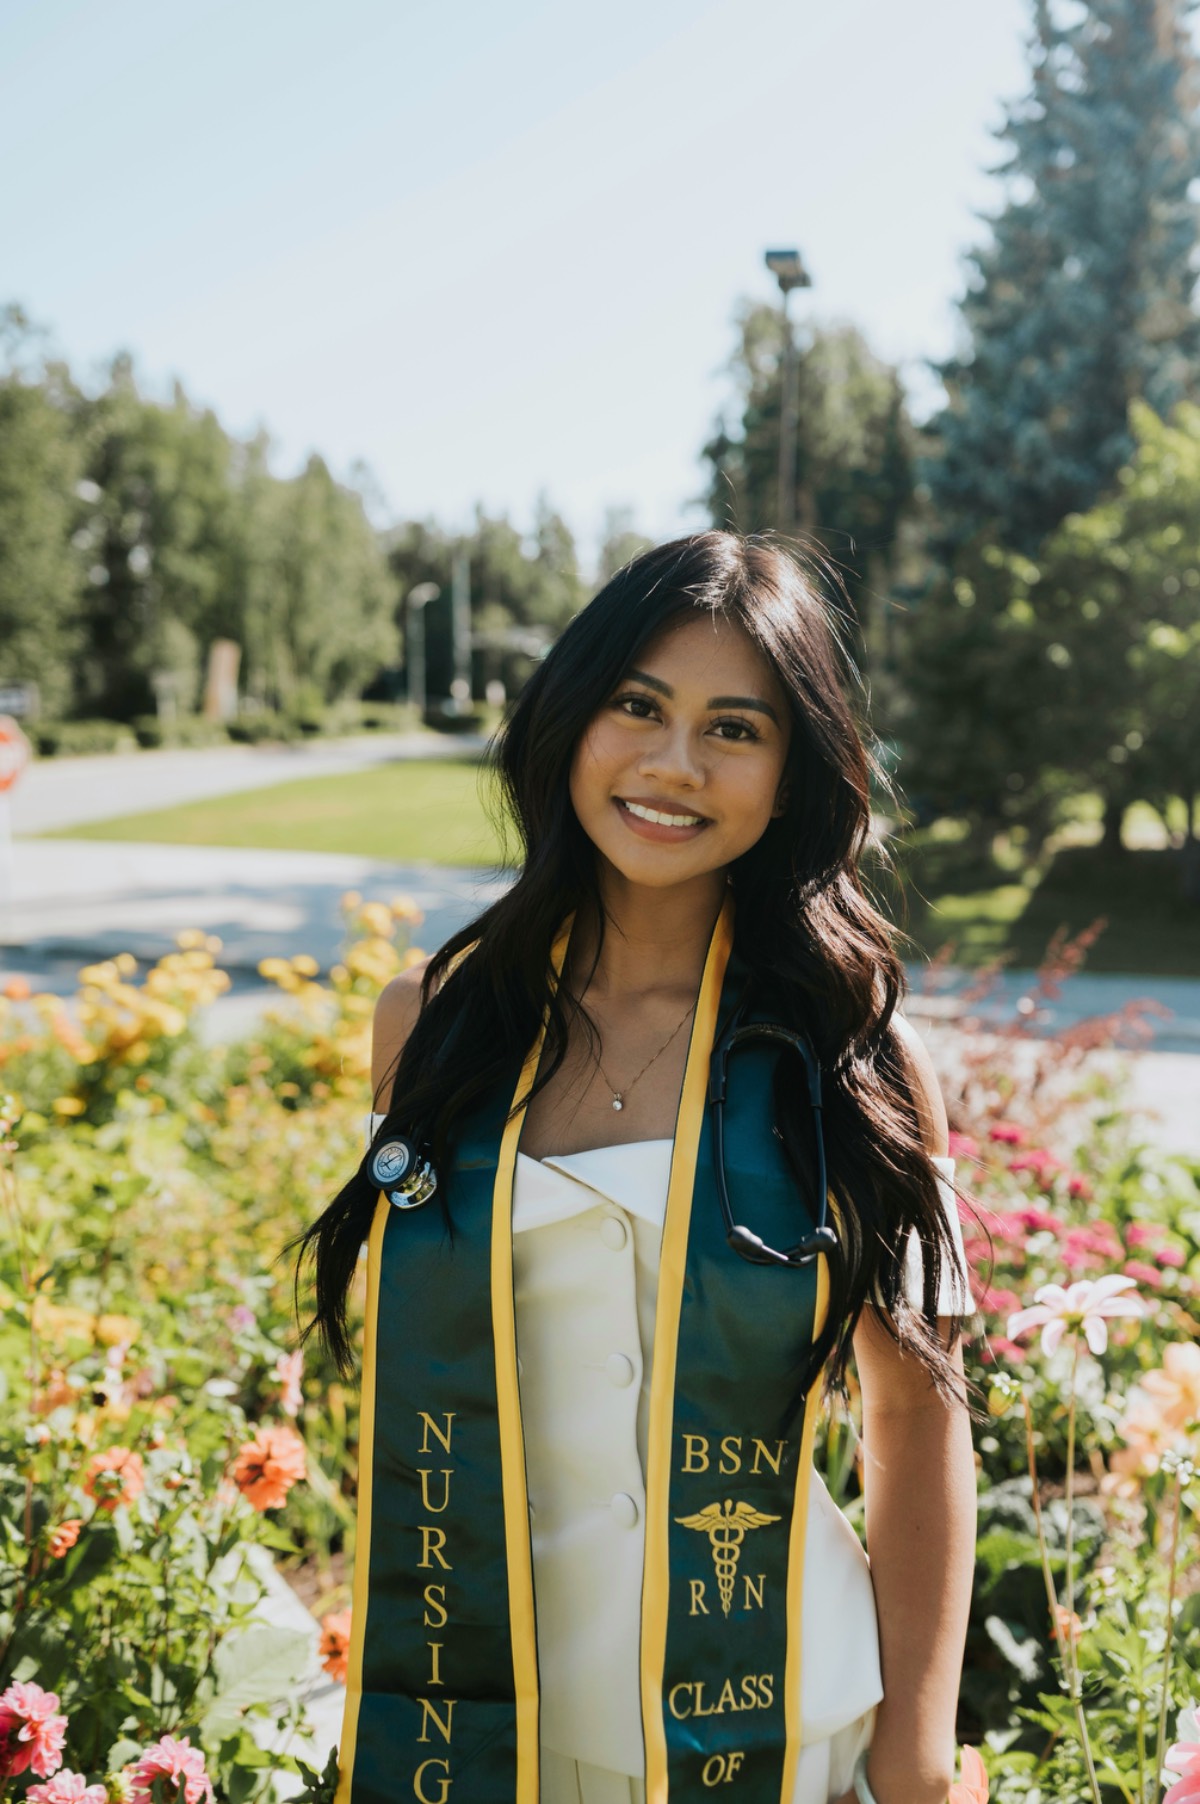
(634, 702)
(742, 729)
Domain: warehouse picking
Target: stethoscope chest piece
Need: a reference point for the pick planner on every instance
(398, 1169)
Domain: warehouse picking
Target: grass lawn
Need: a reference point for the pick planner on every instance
(434, 812)
(407, 811)
(954, 895)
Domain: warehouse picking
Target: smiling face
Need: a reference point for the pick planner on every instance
(679, 772)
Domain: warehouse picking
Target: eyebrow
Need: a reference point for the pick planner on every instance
(714, 701)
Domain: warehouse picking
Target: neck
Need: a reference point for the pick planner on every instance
(654, 939)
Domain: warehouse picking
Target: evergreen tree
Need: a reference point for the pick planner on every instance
(1081, 302)
(854, 450)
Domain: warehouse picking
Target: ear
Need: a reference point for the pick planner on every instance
(781, 801)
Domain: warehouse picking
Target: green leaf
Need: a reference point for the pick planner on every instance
(1017, 1645)
(259, 1665)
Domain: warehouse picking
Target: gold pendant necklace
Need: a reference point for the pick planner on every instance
(618, 1096)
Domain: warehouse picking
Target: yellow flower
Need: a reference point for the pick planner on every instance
(351, 900)
(405, 909)
(126, 963)
(306, 965)
(273, 969)
(190, 939)
(414, 956)
(377, 918)
(116, 1330)
(69, 1105)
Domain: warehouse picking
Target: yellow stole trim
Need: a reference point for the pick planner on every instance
(522, 1617)
(362, 1533)
(794, 1658)
(672, 1261)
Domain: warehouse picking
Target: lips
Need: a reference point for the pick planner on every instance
(656, 820)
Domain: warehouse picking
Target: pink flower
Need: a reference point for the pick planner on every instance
(177, 1761)
(998, 1348)
(1083, 1305)
(1010, 1132)
(31, 1733)
(998, 1302)
(972, 1788)
(1039, 1221)
(1173, 1256)
(1078, 1187)
(1141, 1273)
(1042, 1164)
(963, 1147)
(289, 1369)
(1139, 1233)
(66, 1788)
(1182, 1760)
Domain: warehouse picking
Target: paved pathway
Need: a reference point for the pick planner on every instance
(67, 792)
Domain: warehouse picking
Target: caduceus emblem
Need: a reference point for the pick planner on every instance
(726, 1526)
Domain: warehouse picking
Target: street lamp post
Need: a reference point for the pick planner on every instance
(789, 271)
(417, 601)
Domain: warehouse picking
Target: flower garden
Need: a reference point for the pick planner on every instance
(166, 1446)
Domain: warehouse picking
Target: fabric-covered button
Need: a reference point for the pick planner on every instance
(613, 1232)
(623, 1510)
(620, 1371)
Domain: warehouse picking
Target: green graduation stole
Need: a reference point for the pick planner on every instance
(442, 1697)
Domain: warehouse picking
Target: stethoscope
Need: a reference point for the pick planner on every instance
(743, 1240)
(405, 1174)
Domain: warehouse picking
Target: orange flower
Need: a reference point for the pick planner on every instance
(117, 1476)
(17, 990)
(1067, 1623)
(972, 1788)
(54, 1392)
(334, 1647)
(1175, 1387)
(64, 1537)
(267, 1467)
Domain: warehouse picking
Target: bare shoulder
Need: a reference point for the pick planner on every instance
(927, 1091)
(396, 1014)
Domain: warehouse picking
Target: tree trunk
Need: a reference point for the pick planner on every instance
(1114, 816)
(1189, 856)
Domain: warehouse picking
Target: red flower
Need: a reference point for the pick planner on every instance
(1010, 1132)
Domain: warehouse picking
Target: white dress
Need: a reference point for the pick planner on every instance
(586, 1232)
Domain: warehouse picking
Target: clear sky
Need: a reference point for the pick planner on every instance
(492, 247)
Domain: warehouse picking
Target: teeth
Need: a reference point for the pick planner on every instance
(663, 820)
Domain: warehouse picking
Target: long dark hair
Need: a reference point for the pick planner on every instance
(803, 924)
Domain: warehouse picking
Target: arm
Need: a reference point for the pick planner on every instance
(919, 1482)
(396, 1012)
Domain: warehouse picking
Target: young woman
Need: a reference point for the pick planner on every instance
(595, 1564)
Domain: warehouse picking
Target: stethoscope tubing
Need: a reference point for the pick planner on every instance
(743, 1240)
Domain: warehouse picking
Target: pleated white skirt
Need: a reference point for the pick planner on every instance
(824, 1772)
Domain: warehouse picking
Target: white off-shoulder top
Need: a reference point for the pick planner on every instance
(587, 1228)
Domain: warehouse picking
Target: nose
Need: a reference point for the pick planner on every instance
(673, 759)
